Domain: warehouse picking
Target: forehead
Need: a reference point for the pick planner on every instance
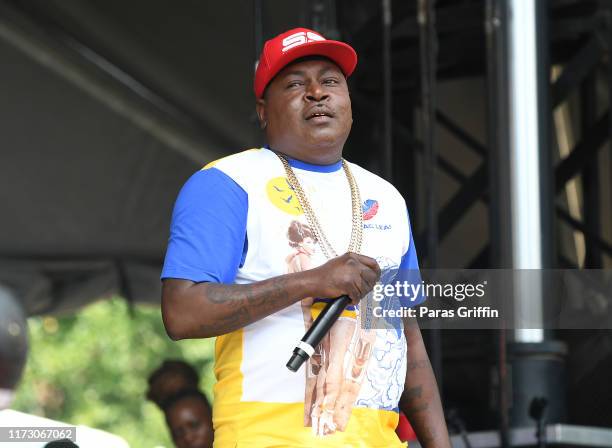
(187, 406)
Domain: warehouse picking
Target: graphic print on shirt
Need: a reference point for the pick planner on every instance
(369, 209)
(335, 371)
(282, 195)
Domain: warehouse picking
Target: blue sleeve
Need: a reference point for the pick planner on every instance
(409, 259)
(208, 231)
(409, 269)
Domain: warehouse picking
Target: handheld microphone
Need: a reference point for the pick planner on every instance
(316, 332)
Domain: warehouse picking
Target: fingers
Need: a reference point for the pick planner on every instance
(369, 267)
(351, 274)
(366, 282)
(368, 273)
(370, 277)
(369, 262)
(355, 291)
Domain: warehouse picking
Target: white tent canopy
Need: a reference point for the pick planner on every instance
(107, 108)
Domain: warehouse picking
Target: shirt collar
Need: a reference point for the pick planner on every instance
(301, 165)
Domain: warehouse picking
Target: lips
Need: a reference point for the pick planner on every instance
(319, 113)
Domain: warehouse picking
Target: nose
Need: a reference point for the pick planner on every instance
(190, 438)
(316, 92)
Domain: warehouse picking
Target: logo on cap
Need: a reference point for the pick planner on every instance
(300, 38)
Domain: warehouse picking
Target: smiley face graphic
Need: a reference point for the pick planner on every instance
(283, 196)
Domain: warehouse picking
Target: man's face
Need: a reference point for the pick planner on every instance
(307, 105)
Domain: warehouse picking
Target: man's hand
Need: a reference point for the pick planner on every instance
(349, 274)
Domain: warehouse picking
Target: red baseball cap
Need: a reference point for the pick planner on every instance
(297, 43)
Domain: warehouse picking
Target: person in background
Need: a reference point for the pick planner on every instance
(189, 418)
(174, 388)
(171, 377)
(61, 444)
(13, 346)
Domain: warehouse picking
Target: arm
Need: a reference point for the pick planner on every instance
(205, 250)
(420, 400)
(201, 310)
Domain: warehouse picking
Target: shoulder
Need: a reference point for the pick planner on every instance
(211, 187)
(245, 166)
(380, 198)
(374, 182)
(249, 158)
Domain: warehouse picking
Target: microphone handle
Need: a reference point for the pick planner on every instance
(316, 332)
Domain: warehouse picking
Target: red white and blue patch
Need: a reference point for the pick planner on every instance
(369, 209)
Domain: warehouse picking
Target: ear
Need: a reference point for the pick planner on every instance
(260, 108)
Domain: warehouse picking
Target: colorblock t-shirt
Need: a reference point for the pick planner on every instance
(239, 221)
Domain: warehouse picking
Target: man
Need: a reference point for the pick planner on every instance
(231, 270)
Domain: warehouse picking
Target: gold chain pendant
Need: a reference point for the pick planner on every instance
(313, 222)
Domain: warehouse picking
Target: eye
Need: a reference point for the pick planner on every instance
(294, 84)
(330, 81)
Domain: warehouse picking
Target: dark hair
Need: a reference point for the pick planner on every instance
(298, 232)
(187, 393)
(178, 366)
(64, 443)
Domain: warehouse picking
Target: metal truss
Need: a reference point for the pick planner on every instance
(579, 38)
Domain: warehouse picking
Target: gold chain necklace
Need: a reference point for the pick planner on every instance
(313, 222)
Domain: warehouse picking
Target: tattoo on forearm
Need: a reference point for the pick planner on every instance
(412, 393)
(418, 364)
(228, 323)
(244, 304)
(410, 411)
(421, 402)
(411, 402)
